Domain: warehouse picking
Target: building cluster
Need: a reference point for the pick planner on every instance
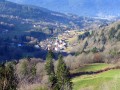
(53, 44)
(61, 42)
(9, 16)
(4, 27)
(6, 24)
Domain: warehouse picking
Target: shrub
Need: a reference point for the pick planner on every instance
(118, 36)
(112, 33)
(98, 58)
(94, 50)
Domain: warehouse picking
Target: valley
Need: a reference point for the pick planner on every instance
(35, 28)
(41, 49)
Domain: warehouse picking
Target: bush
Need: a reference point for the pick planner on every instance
(74, 62)
(118, 36)
(112, 33)
(94, 50)
(98, 58)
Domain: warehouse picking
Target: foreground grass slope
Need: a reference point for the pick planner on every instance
(109, 80)
(92, 67)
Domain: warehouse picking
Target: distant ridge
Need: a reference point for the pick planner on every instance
(79, 7)
(32, 12)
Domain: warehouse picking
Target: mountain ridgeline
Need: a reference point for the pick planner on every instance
(24, 18)
(32, 12)
(99, 8)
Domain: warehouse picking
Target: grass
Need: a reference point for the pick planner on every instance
(80, 33)
(68, 49)
(109, 80)
(41, 88)
(92, 67)
(72, 40)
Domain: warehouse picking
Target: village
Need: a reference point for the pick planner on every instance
(63, 42)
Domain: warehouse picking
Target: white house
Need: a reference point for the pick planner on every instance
(19, 45)
(37, 46)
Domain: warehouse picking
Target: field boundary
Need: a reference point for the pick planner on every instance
(93, 72)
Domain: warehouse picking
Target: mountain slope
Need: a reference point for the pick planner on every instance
(104, 41)
(23, 11)
(79, 7)
(28, 18)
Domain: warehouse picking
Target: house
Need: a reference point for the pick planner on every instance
(37, 46)
(19, 45)
(57, 49)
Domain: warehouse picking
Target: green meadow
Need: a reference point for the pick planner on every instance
(108, 80)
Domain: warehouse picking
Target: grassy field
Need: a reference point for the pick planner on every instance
(109, 80)
(93, 67)
(72, 40)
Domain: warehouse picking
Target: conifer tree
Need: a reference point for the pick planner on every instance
(8, 79)
(63, 75)
(2, 68)
(49, 67)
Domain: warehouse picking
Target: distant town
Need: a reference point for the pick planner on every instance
(63, 42)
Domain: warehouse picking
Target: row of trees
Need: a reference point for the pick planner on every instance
(59, 79)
